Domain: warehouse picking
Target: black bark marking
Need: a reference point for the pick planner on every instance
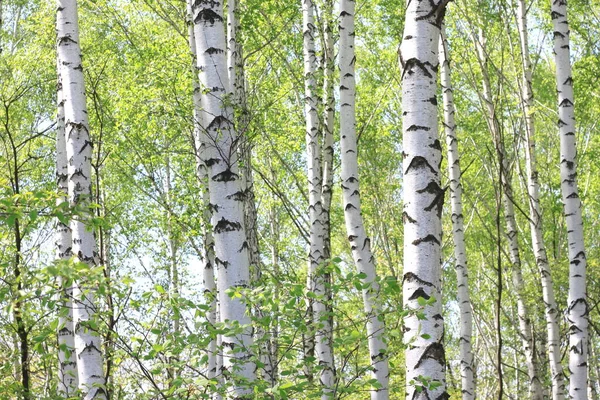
(436, 145)
(417, 163)
(419, 293)
(414, 128)
(207, 15)
(435, 351)
(227, 226)
(225, 176)
(237, 196)
(426, 239)
(412, 277)
(88, 347)
(412, 63)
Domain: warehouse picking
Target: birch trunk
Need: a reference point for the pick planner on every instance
(237, 82)
(67, 367)
(173, 272)
(328, 125)
(274, 348)
(577, 310)
(458, 229)
(79, 155)
(423, 201)
(316, 278)
(525, 330)
(226, 194)
(208, 244)
(357, 236)
(535, 219)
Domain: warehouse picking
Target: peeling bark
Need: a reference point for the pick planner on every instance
(577, 309)
(423, 198)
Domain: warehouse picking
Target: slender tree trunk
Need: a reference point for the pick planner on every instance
(226, 194)
(316, 276)
(327, 152)
(274, 349)
(525, 330)
(172, 371)
(208, 245)
(357, 236)
(328, 124)
(535, 218)
(79, 154)
(458, 229)
(577, 310)
(67, 367)
(237, 82)
(423, 201)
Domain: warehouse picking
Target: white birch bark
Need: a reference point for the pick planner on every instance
(237, 82)
(208, 248)
(525, 330)
(316, 278)
(458, 229)
(577, 309)
(67, 368)
(535, 221)
(226, 194)
(79, 155)
(328, 124)
(423, 201)
(360, 243)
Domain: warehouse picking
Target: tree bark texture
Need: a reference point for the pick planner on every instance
(226, 193)
(577, 304)
(79, 156)
(525, 329)
(458, 228)
(357, 236)
(535, 219)
(423, 202)
(67, 362)
(208, 243)
(317, 281)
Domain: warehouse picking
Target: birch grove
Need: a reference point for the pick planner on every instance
(171, 225)
(535, 216)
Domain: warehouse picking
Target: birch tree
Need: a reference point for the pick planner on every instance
(577, 309)
(535, 216)
(316, 278)
(423, 201)
(67, 362)
(357, 236)
(79, 156)
(511, 234)
(458, 228)
(208, 249)
(226, 194)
